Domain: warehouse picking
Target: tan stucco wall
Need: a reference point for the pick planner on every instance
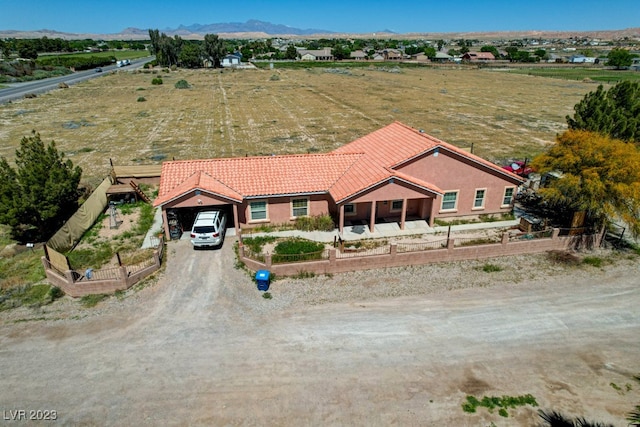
(451, 173)
(279, 209)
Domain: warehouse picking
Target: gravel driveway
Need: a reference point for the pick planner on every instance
(200, 346)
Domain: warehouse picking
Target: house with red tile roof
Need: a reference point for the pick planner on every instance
(396, 173)
(478, 56)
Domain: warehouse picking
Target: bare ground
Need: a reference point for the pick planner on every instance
(262, 112)
(200, 346)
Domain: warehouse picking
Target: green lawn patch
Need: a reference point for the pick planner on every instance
(502, 403)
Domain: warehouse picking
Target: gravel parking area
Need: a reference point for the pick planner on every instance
(199, 345)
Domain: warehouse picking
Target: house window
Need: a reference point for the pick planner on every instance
(350, 209)
(449, 201)
(508, 196)
(478, 202)
(396, 205)
(299, 207)
(258, 210)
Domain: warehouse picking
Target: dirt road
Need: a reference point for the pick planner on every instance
(202, 347)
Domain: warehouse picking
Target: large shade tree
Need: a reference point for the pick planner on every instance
(600, 176)
(614, 112)
(619, 58)
(40, 193)
(214, 49)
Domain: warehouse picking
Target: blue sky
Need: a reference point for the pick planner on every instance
(356, 16)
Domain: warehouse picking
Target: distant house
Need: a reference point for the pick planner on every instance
(358, 55)
(378, 57)
(581, 59)
(316, 55)
(393, 174)
(478, 56)
(392, 55)
(420, 57)
(635, 64)
(442, 57)
(232, 60)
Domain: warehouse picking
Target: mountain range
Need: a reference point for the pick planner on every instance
(260, 29)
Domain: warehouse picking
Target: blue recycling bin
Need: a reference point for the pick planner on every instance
(262, 278)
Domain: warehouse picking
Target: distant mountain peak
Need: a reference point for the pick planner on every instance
(251, 26)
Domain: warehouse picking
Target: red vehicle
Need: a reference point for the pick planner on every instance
(519, 168)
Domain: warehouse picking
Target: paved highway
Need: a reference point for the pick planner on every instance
(19, 90)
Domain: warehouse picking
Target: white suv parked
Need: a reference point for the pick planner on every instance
(208, 229)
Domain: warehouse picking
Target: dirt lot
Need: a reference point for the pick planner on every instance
(200, 346)
(288, 111)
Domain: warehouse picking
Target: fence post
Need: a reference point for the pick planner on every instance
(450, 244)
(555, 234)
(156, 257)
(505, 238)
(267, 261)
(69, 276)
(332, 256)
(124, 276)
(393, 250)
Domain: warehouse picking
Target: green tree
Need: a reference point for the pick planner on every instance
(440, 44)
(214, 49)
(291, 53)
(614, 112)
(39, 195)
(619, 58)
(600, 176)
(430, 52)
(190, 56)
(512, 53)
(27, 50)
(340, 52)
(540, 53)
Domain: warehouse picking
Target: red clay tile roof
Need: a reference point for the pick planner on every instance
(387, 148)
(242, 177)
(347, 171)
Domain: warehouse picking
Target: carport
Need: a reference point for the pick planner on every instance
(198, 193)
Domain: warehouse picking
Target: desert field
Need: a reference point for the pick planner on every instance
(262, 112)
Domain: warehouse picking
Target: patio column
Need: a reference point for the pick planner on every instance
(435, 203)
(403, 215)
(165, 224)
(341, 219)
(372, 220)
(235, 219)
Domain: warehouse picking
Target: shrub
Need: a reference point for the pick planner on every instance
(318, 222)
(297, 246)
(296, 249)
(92, 300)
(491, 268)
(593, 261)
(55, 293)
(255, 244)
(156, 81)
(141, 99)
(266, 295)
(182, 84)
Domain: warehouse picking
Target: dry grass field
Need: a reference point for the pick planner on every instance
(254, 112)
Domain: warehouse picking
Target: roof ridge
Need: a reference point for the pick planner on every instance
(222, 183)
(275, 156)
